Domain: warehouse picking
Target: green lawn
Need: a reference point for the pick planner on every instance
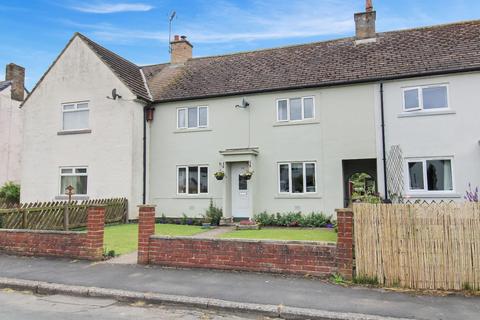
(327, 235)
(124, 238)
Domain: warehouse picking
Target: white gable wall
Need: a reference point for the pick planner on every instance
(112, 151)
(11, 123)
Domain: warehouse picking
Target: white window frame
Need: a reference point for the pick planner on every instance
(75, 104)
(425, 176)
(198, 126)
(290, 192)
(420, 97)
(198, 179)
(288, 109)
(73, 174)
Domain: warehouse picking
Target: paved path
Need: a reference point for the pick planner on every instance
(26, 306)
(242, 287)
(214, 233)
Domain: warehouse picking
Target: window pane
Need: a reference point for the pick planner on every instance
(192, 117)
(79, 184)
(284, 178)
(310, 177)
(435, 97)
(203, 116)
(411, 99)
(81, 170)
(82, 106)
(242, 182)
(193, 180)
(439, 175)
(67, 170)
(308, 108)
(282, 110)
(67, 107)
(182, 180)
(415, 171)
(296, 109)
(297, 177)
(181, 118)
(75, 120)
(203, 180)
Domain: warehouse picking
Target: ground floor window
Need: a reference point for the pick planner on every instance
(77, 177)
(192, 179)
(297, 177)
(430, 175)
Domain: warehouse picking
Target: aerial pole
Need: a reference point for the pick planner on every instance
(172, 16)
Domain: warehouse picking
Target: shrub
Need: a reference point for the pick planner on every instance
(10, 193)
(471, 195)
(213, 215)
(292, 219)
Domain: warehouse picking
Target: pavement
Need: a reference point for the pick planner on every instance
(26, 306)
(238, 287)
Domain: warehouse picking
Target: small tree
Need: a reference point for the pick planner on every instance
(10, 193)
(213, 215)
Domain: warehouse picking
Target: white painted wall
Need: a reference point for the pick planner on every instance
(454, 134)
(11, 127)
(344, 128)
(112, 151)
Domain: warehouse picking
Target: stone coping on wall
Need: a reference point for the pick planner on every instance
(269, 241)
(42, 231)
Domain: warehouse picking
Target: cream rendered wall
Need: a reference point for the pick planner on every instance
(111, 151)
(454, 134)
(11, 126)
(344, 128)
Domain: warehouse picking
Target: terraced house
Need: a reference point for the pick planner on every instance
(287, 126)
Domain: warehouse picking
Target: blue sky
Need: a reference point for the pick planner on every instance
(33, 32)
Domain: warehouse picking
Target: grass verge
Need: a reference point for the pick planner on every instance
(299, 234)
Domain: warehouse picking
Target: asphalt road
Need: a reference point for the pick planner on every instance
(16, 305)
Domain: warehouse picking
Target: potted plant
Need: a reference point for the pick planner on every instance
(248, 174)
(219, 175)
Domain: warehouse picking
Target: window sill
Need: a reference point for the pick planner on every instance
(74, 197)
(192, 130)
(295, 123)
(67, 132)
(425, 113)
(297, 196)
(192, 196)
(447, 195)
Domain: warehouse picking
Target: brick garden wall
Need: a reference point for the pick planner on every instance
(294, 257)
(86, 245)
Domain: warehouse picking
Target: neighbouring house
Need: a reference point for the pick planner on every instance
(399, 106)
(12, 93)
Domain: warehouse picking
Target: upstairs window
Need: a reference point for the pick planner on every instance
(75, 116)
(77, 177)
(297, 177)
(425, 98)
(430, 175)
(295, 109)
(192, 117)
(192, 180)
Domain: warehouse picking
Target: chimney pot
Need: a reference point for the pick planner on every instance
(16, 74)
(369, 6)
(181, 50)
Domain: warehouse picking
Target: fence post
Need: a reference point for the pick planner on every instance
(146, 228)
(95, 230)
(345, 243)
(66, 219)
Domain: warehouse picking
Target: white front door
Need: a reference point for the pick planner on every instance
(240, 191)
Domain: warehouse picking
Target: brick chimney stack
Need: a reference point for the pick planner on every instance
(365, 22)
(181, 50)
(16, 74)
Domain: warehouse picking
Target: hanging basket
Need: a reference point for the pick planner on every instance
(219, 175)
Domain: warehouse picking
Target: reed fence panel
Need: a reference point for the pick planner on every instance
(419, 246)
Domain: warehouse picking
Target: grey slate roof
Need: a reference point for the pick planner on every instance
(4, 85)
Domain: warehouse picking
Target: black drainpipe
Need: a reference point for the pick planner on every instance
(384, 151)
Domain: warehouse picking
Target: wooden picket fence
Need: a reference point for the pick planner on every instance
(50, 215)
(419, 246)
